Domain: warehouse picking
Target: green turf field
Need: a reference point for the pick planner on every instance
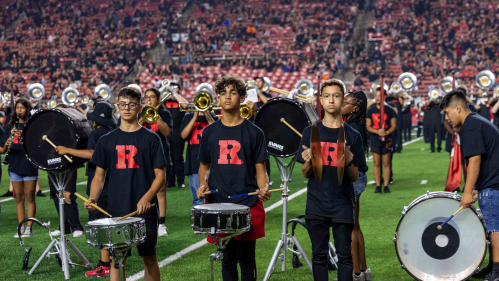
(379, 216)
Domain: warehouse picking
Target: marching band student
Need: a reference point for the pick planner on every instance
(381, 149)
(191, 130)
(134, 160)
(480, 147)
(234, 150)
(434, 124)
(163, 128)
(103, 122)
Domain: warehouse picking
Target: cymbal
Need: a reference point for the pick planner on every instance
(316, 148)
(340, 155)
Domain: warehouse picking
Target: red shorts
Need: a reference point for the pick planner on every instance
(257, 225)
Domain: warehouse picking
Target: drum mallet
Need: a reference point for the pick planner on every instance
(254, 193)
(447, 220)
(211, 192)
(131, 214)
(45, 138)
(93, 205)
(291, 127)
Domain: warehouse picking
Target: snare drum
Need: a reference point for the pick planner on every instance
(107, 233)
(221, 218)
(427, 253)
(281, 140)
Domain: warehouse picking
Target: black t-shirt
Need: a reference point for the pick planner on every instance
(260, 103)
(484, 112)
(176, 114)
(480, 137)
(93, 138)
(328, 198)
(166, 116)
(233, 153)
(374, 114)
(394, 101)
(129, 159)
(433, 113)
(193, 142)
(18, 163)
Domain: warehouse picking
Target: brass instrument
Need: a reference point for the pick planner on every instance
(70, 96)
(377, 84)
(396, 87)
(434, 94)
(305, 87)
(36, 91)
(496, 92)
(103, 91)
(447, 84)
(150, 114)
(245, 111)
(5, 98)
(485, 80)
(266, 85)
(408, 81)
(51, 104)
(303, 98)
(203, 99)
(166, 87)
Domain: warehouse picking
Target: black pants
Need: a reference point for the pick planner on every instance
(420, 124)
(435, 128)
(406, 126)
(426, 131)
(242, 252)
(177, 153)
(318, 230)
(397, 136)
(71, 211)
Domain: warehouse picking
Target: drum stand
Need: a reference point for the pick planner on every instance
(221, 243)
(60, 180)
(279, 256)
(119, 254)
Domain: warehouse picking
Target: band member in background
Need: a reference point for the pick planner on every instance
(234, 150)
(330, 204)
(177, 144)
(406, 119)
(192, 128)
(434, 124)
(353, 110)
(103, 122)
(380, 140)
(396, 101)
(162, 127)
(424, 110)
(480, 147)
(495, 113)
(419, 117)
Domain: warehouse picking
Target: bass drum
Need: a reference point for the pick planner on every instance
(453, 253)
(281, 140)
(66, 126)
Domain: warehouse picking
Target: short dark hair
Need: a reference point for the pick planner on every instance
(155, 91)
(235, 81)
(334, 82)
(259, 77)
(129, 92)
(457, 96)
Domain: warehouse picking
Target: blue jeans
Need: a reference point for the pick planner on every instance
(194, 183)
(488, 200)
(360, 185)
(17, 177)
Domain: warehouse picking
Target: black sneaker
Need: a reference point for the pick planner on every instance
(386, 190)
(482, 273)
(378, 189)
(40, 194)
(7, 194)
(492, 276)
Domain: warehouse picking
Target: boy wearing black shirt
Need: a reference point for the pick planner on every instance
(234, 151)
(434, 124)
(380, 140)
(133, 158)
(330, 204)
(480, 147)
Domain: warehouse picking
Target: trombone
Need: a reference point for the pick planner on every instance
(245, 111)
(203, 100)
(150, 114)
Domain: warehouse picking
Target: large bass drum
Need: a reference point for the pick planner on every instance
(453, 253)
(281, 140)
(67, 127)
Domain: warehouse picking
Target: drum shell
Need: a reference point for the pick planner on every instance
(222, 221)
(116, 236)
(66, 127)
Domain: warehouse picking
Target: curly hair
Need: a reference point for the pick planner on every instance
(235, 81)
(360, 115)
(334, 82)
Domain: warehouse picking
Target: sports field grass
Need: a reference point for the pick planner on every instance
(379, 216)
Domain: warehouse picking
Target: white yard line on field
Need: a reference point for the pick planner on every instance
(370, 158)
(43, 191)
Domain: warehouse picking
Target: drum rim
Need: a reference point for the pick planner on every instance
(437, 194)
(208, 230)
(200, 206)
(289, 100)
(123, 244)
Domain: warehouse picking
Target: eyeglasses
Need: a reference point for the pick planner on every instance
(131, 106)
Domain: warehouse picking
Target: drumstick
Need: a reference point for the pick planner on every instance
(284, 92)
(92, 204)
(211, 192)
(131, 214)
(453, 215)
(254, 193)
(291, 127)
(45, 138)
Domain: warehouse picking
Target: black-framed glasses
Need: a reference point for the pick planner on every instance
(131, 106)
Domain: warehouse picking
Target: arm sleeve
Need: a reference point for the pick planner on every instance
(305, 141)
(473, 143)
(357, 148)
(205, 149)
(260, 152)
(187, 118)
(157, 151)
(166, 116)
(99, 157)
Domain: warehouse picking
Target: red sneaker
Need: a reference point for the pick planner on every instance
(100, 271)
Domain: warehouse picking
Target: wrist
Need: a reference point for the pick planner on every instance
(347, 165)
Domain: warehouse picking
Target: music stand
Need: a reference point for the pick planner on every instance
(60, 180)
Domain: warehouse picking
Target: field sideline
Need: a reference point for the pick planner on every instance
(379, 216)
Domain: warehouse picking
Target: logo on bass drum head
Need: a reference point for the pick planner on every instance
(276, 146)
(54, 161)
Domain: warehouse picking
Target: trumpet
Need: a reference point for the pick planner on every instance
(103, 91)
(70, 96)
(36, 91)
(150, 114)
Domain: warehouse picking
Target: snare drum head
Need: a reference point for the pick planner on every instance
(281, 140)
(112, 221)
(221, 207)
(427, 253)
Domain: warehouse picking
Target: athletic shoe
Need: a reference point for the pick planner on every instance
(28, 232)
(492, 276)
(368, 274)
(483, 272)
(22, 232)
(77, 233)
(271, 183)
(378, 189)
(99, 271)
(181, 186)
(386, 190)
(7, 194)
(40, 194)
(56, 232)
(162, 230)
(360, 277)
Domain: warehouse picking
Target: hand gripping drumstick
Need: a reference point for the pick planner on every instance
(291, 127)
(211, 192)
(254, 193)
(45, 138)
(131, 214)
(453, 215)
(93, 205)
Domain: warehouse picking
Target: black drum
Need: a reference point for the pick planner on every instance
(281, 140)
(66, 126)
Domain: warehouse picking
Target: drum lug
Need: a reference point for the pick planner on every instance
(405, 210)
(201, 220)
(193, 219)
(395, 238)
(427, 194)
(402, 266)
(229, 221)
(218, 221)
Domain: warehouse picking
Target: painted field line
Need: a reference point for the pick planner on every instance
(203, 242)
(43, 191)
(370, 158)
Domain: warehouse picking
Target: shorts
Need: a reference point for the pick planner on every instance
(381, 149)
(360, 185)
(488, 200)
(17, 178)
(148, 248)
(96, 214)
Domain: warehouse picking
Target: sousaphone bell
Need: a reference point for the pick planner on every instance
(407, 81)
(103, 91)
(36, 91)
(70, 96)
(447, 84)
(485, 80)
(396, 87)
(434, 94)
